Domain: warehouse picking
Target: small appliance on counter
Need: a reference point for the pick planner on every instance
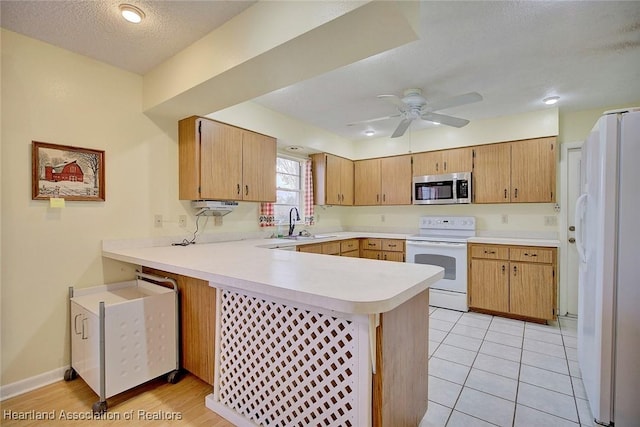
(446, 189)
(442, 241)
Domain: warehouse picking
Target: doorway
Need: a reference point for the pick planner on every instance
(570, 164)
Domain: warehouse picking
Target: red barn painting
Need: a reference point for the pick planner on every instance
(69, 171)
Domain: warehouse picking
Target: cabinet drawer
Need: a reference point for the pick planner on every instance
(393, 245)
(312, 249)
(349, 245)
(372, 244)
(489, 252)
(353, 254)
(528, 254)
(331, 248)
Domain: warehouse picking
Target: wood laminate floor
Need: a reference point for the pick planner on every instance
(156, 403)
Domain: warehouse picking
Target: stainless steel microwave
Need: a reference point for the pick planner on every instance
(451, 188)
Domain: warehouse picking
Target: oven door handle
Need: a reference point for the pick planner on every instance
(435, 245)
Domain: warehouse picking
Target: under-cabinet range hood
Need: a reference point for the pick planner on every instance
(213, 207)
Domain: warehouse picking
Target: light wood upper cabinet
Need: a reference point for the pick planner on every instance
(492, 173)
(518, 171)
(442, 161)
(384, 181)
(533, 170)
(223, 162)
(332, 179)
(367, 181)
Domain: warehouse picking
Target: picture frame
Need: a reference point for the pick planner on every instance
(66, 172)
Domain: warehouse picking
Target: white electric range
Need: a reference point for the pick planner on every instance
(442, 241)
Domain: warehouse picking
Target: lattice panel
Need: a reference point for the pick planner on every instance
(284, 366)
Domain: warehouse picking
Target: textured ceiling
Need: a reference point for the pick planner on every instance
(513, 53)
(96, 29)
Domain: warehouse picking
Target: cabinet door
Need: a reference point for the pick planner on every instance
(78, 335)
(220, 161)
(533, 170)
(489, 285)
(258, 167)
(457, 160)
(367, 179)
(396, 180)
(346, 182)
(393, 256)
(492, 173)
(369, 254)
(333, 178)
(429, 163)
(531, 290)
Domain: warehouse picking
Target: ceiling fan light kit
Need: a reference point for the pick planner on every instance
(413, 106)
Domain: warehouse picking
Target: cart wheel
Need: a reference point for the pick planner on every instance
(173, 377)
(70, 374)
(99, 407)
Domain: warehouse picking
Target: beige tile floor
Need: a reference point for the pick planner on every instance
(492, 371)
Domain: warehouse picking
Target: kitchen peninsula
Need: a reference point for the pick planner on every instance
(308, 339)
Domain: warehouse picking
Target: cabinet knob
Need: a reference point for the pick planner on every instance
(246, 190)
(505, 193)
(516, 193)
(515, 270)
(503, 268)
(238, 190)
(384, 197)
(572, 240)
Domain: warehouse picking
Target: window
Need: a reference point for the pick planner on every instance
(289, 187)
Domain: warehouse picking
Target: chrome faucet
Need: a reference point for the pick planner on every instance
(292, 224)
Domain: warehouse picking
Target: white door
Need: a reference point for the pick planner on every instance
(573, 192)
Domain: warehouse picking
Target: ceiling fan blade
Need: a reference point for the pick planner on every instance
(445, 120)
(378, 119)
(467, 98)
(395, 101)
(402, 128)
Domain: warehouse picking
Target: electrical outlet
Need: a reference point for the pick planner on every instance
(505, 218)
(157, 220)
(182, 221)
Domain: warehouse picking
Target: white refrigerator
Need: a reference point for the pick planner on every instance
(608, 241)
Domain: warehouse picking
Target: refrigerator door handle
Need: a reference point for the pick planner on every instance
(579, 219)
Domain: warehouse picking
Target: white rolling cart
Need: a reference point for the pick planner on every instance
(124, 334)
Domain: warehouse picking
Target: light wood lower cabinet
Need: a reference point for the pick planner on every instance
(197, 323)
(519, 281)
(383, 249)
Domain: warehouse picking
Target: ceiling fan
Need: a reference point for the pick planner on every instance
(414, 106)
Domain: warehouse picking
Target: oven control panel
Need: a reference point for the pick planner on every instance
(447, 223)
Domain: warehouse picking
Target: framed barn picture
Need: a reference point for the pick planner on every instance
(71, 173)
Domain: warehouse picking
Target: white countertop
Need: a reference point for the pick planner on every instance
(343, 284)
(519, 241)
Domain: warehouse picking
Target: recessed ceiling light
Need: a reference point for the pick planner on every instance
(551, 100)
(131, 13)
(369, 132)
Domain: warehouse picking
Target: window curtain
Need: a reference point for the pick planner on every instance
(308, 194)
(267, 218)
